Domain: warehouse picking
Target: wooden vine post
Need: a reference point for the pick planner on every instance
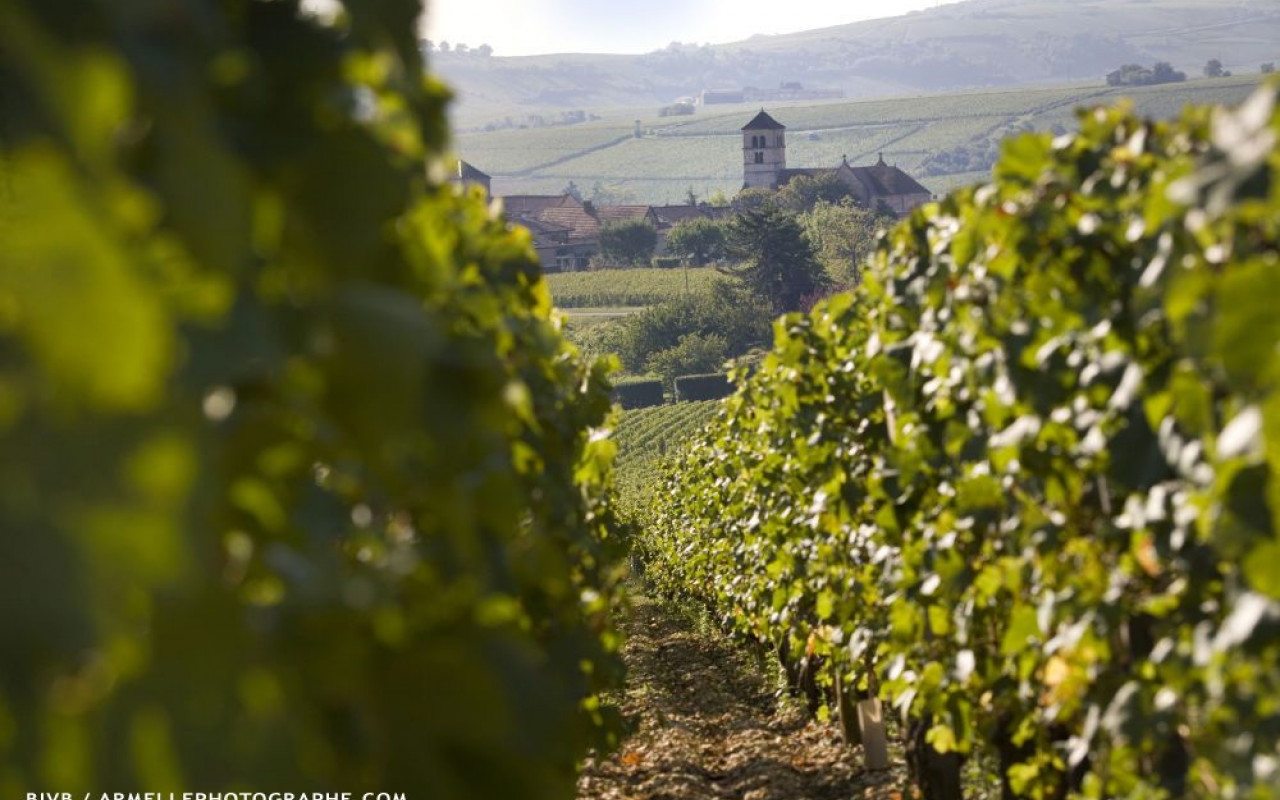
(862, 723)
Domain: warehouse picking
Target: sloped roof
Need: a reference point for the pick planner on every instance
(578, 220)
(544, 233)
(467, 172)
(887, 180)
(622, 213)
(517, 204)
(540, 226)
(673, 215)
(765, 122)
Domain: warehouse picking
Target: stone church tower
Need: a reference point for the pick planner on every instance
(764, 152)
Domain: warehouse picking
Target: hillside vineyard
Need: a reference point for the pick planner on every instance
(309, 489)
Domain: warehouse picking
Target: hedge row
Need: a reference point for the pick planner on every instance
(1026, 484)
(639, 393)
(703, 387)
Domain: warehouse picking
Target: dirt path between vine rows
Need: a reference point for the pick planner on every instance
(707, 724)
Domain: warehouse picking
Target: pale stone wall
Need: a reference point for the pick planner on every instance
(764, 156)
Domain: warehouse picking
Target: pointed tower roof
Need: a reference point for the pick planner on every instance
(764, 122)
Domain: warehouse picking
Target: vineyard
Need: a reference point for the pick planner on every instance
(305, 488)
(648, 434)
(639, 286)
(1025, 487)
(647, 437)
(703, 153)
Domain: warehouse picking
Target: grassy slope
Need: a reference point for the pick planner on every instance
(703, 153)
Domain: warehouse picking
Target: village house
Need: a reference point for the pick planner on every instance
(764, 166)
(566, 230)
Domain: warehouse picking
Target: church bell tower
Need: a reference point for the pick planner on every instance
(764, 152)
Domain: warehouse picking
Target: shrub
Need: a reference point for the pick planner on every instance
(729, 311)
(638, 393)
(695, 352)
(703, 387)
(631, 242)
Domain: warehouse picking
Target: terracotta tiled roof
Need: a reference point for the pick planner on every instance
(578, 220)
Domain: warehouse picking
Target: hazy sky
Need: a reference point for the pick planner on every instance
(525, 27)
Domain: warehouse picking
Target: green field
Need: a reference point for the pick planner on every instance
(615, 292)
(704, 154)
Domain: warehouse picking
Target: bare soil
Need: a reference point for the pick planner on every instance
(708, 723)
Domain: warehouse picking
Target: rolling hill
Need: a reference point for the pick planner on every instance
(943, 139)
(963, 45)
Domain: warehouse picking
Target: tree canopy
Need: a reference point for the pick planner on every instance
(701, 239)
(777, 261)
(630, 242)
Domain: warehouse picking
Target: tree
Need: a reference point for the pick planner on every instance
(691, 198)
(753, 199)
(444, 47)
(727, 310)
(1268, 68)
(1163, 72)
(843, 235)
(484, 51)
(804, 191)
(461, 49)
(1127, 75)
(630, 242)
(778, 263)
(1138, 75)
(1213, 69)
(700, 239)
(572, 190)
(695, 354)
